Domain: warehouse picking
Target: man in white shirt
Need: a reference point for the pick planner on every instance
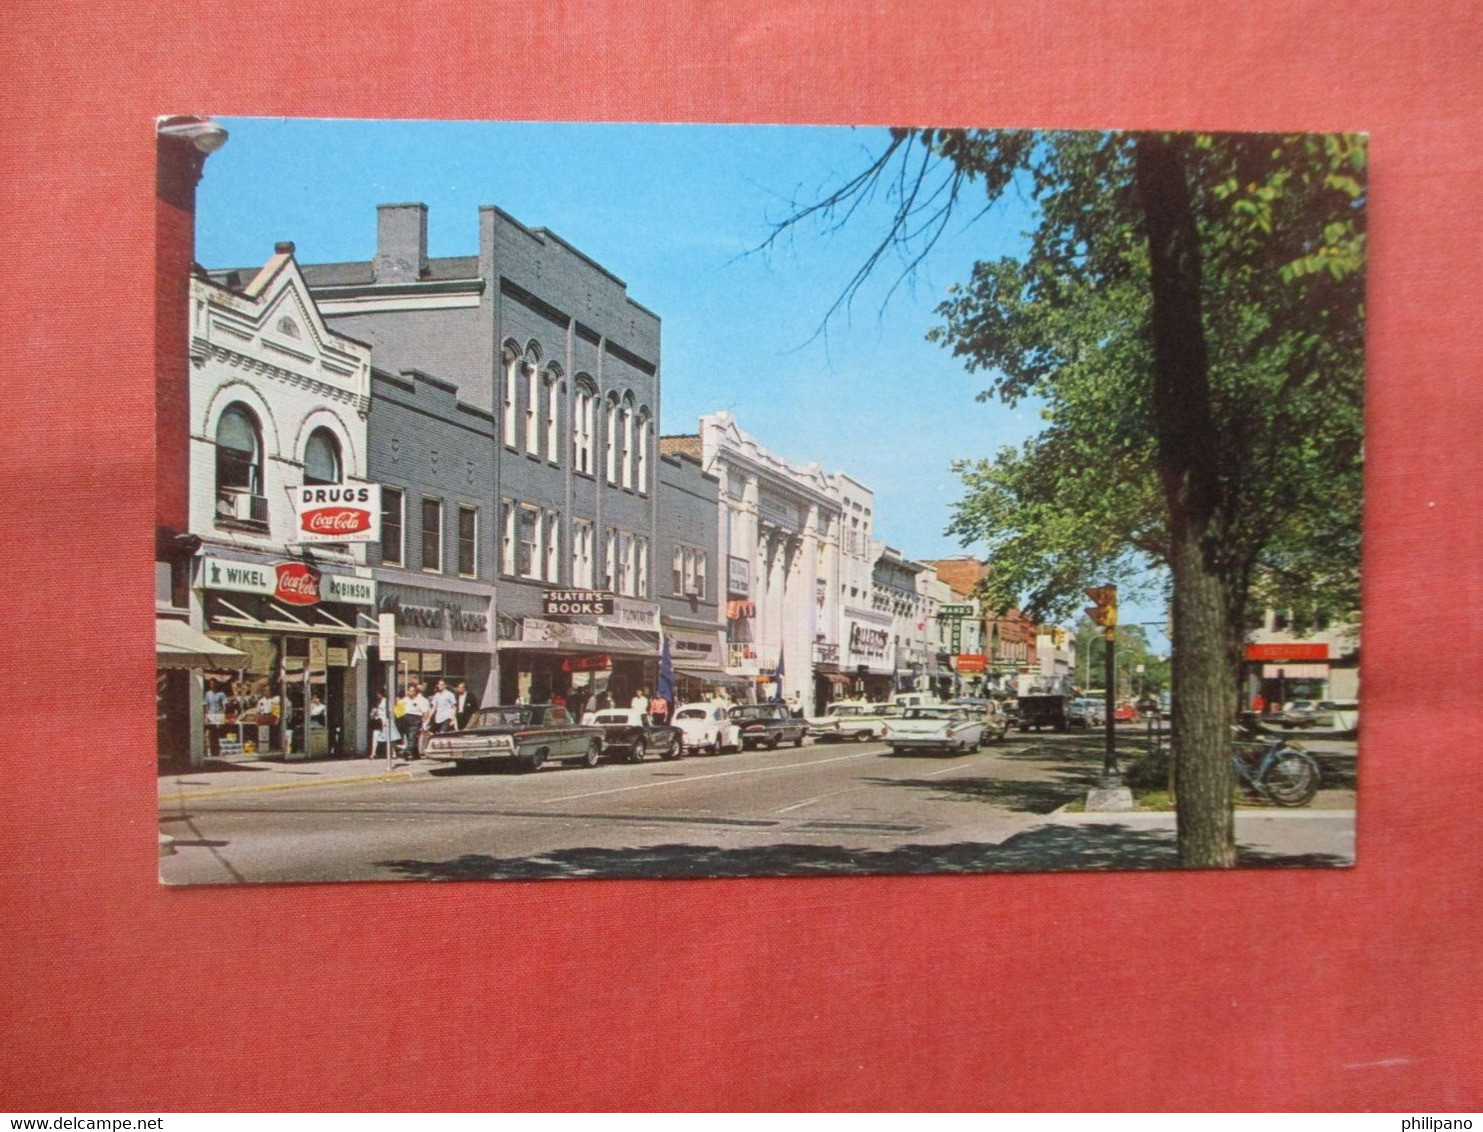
(415, 712)
(640, 701)
(445, 709)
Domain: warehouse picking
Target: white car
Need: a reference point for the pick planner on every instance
(952, 729)
(707, 727)
(851, 719)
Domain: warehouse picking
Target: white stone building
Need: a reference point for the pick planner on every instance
(778, 533)
(277, 401)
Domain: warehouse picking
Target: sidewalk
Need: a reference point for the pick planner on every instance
(248, 774)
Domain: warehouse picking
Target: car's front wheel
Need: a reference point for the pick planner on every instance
(535, 760)
(593, 754)
(672, 750)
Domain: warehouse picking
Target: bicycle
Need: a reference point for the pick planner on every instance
(1280, 771)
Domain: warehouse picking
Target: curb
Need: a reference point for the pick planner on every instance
(179, 795)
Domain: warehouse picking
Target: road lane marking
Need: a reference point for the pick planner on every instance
(703, 777)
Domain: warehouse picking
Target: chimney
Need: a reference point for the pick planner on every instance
(401, 243)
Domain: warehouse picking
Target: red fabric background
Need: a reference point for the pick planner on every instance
(1327, 990)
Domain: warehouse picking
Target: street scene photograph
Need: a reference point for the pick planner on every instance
(555, 500)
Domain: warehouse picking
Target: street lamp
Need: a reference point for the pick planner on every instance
(207, 136)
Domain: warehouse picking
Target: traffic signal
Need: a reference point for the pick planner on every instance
(1104, 613)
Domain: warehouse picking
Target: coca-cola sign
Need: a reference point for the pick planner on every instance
(298, 584)
(338, 512)
(339, 521)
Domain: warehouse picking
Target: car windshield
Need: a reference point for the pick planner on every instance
(613, 717)
(757, 711)
(690, 713)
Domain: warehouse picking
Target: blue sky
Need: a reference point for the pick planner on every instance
(677, 213)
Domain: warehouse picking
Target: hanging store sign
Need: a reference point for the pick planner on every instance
(595, 662)
(594, 603)
(338, 512)
(738, 576)
(971, 662)
(534, 630)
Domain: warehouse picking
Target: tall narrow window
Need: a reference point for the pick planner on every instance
(530, 542)
(512, 368)
(322, 458)
(391, 526)
(553, 417)
(642, 566)
(642, 441)
(553, 547)
(532, 410)
(610, 560)
(507, 536)
(610, 429)
(432, 534)
(677, 586)
(581, 553)
(627, 446)
(625, 563)
(239, 467)
(468, 541)
(583, 420)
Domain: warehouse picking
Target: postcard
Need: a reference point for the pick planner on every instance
(543, 501)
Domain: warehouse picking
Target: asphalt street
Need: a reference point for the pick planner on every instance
(821, 809)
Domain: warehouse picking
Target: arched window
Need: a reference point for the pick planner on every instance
(627, 442)
(513, 362)
(583, 425)
(239, 466)
(555, 394)
(642, 443)
(610, 430)
(322, 458)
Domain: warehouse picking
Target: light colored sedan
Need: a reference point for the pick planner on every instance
(707, 727)
(952, 729)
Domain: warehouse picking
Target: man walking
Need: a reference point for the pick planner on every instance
(444, 709)
(467, 704)
(415, 710)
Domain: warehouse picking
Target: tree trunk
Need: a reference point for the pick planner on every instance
(1189, 463)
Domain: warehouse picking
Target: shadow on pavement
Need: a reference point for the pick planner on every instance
(1044, 849)
(1041, 796)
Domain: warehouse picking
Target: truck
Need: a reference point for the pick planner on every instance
(1043, 701)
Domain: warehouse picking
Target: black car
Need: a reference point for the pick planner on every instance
(527, 735)
(768, 725)
(631, 734)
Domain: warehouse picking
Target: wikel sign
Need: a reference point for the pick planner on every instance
(338, 512)
(294, 583)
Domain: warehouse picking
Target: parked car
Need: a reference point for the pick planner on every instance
(1148, 705)
(527, 735)
(859, 720)
(707, 727)
(1338, 715)
(944, 728)
(632, 734)
(1087, 713)
(996, 720)
(1125, 712)
(768, 725)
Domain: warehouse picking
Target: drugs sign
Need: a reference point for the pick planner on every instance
(338, 512)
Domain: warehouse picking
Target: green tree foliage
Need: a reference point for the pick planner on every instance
(1190, 315)
(1281, 228)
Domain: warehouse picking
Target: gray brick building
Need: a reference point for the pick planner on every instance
(687, 550)
(546, 343)
(434, 565)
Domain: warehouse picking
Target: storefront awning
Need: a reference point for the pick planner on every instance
(177, 645)
(713, 676)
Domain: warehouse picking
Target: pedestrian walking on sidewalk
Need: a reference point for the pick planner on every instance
(381, 719)
(415, 710)
(444, 709)
(468, 703)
